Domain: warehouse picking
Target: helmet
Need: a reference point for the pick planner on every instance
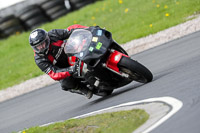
(39, 41)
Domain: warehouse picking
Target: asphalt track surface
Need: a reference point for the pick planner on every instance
(176, 69)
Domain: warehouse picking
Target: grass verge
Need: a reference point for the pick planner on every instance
(126, 19)
(115, 122)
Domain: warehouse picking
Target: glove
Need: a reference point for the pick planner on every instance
(73, 70)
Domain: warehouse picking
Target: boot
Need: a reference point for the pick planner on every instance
(83, 91)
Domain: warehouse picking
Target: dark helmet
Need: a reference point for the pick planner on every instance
(39, 41)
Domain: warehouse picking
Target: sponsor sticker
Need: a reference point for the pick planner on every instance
(81, 54)
(99, 32)
(91, 49)
(95, 39)
(98, 46)
(34, 34)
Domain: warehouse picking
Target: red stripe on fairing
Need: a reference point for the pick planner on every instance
(58, 76)
(76, 26)
(58, 43)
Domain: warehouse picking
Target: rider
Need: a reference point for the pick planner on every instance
(51, 59)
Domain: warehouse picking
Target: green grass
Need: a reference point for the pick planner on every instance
(126, 19)
(115, 122)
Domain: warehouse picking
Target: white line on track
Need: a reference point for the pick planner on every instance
(174, 105)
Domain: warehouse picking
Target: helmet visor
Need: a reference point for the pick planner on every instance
(42, 47)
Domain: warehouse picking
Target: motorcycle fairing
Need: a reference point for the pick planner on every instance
(93, 51)
(114, 59)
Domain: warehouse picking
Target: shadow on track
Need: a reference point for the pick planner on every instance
(129, 87)
(159, 75)
(101, 99)
(118, 92)
(133, 85)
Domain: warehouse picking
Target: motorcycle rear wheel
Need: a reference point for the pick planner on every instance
(135, 70)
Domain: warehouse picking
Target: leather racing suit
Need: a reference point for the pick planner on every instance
(56, 63)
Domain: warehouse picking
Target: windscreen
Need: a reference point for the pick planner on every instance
(78, 41)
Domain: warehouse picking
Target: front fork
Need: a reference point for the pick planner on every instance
(113, 60)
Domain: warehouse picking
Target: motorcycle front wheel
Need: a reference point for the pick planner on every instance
(135, 70)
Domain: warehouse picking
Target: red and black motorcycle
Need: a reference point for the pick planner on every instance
(103, 64)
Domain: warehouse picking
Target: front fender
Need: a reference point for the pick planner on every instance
(114, 59)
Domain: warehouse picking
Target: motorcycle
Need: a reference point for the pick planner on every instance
(103, 65)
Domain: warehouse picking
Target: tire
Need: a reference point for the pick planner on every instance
(13, 30)
(6, 23)
(50, 4)
(28, 10)
(3, 19)
(54, 9)
(81, 1)
(77, 4)
(135, 70)
(32, 16)
(2, 35)
(58, 14)
(36, 21)
(10, 25)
